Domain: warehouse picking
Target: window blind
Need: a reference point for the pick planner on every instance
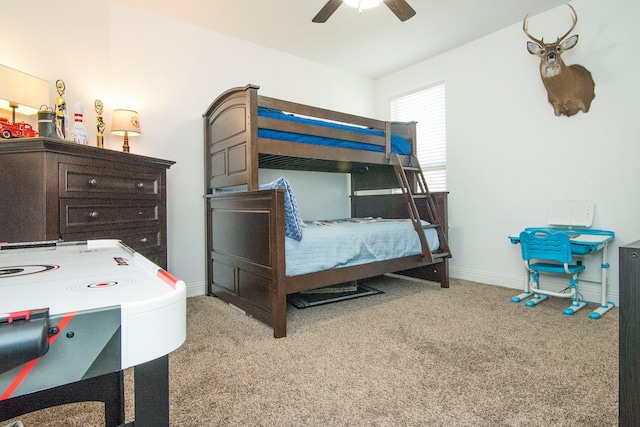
(427, 108)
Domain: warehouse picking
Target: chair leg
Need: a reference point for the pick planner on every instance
(526, 293)
(537, 297)
(576, 302)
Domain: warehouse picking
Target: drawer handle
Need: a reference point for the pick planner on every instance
(140, 185)
(143, 240)
(92, 182)
(93, 215)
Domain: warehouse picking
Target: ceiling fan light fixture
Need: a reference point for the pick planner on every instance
(363, 4)
(400, 8)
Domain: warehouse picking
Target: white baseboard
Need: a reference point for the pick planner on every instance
(195, 289)
(588, 288)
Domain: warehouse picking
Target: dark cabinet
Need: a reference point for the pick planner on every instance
(52, 189)
(629, 346)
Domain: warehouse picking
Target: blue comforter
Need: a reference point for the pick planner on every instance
(353, 241)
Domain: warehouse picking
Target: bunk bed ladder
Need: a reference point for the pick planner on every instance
(420, 197)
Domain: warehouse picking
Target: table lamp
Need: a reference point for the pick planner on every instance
(21, 92)
(125, 123)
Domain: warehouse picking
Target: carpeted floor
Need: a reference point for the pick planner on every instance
(417, 355)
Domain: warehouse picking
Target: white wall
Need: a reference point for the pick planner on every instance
(169, 72)
(319, 195)
(508, 155)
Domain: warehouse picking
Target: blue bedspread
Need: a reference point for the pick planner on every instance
(399, 144)
(346, 242)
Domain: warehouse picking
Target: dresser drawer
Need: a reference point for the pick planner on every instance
(81, 216)
(85, 181)
(158, 258)
(145, 241)
(149, 243)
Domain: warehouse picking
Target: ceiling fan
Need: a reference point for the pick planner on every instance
(399, 7)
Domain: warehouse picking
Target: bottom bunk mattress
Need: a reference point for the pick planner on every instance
(353, 241)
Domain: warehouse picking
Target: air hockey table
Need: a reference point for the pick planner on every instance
(73, 313)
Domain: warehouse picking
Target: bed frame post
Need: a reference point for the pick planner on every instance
(279, 312)
(387, 138)
(251, 107)
(279, 279)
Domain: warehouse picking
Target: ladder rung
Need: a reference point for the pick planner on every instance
(425, 227)
(411, 168)
(437, 255)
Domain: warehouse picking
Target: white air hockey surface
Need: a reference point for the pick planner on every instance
(72, 277)
(92, 276)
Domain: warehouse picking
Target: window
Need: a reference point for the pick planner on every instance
(427, 108)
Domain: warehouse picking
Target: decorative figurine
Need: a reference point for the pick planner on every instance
(99, 106)
(47, 122)
(61, 110)
(16, 130)
(79, 132)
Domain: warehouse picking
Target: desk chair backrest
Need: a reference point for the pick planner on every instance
(546, 245)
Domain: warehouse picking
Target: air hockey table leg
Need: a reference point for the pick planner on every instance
(108, 388)
(152, 393)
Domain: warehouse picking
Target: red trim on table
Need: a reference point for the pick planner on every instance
(168, 278)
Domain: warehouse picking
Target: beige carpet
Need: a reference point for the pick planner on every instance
(417, 355)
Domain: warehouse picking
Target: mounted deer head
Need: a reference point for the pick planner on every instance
(570, 88)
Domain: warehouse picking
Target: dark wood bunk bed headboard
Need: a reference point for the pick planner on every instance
(249, 267)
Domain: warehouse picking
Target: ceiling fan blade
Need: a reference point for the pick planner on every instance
(400, 8)
(327, 11)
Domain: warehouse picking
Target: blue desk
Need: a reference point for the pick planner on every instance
(583, 241)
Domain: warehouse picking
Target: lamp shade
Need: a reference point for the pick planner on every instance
(125, 121)
(22, 91)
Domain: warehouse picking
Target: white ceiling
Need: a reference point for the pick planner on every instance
(372, 44)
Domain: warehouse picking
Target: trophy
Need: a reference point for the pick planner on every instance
(99, 106)
(61, 110)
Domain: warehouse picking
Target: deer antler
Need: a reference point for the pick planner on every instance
(525, 27)
(574, 17)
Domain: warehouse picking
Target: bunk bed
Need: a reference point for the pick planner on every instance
(250, 226)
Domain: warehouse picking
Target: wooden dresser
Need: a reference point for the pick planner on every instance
(629, 335)
(52, 189)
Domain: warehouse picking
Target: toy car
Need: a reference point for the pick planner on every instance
(16, 130)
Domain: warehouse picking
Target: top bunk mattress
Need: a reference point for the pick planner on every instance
(399, 144)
